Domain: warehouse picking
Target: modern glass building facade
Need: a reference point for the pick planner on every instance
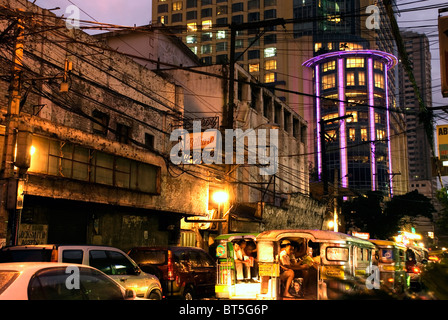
(354, 83)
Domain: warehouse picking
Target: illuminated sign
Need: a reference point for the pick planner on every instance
(203, 140)
(407, 237)
(362, 235)
(442, 142)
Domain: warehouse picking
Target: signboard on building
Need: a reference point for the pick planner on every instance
(442, 142)
(361, 235)
(200, 141)
(33, 234)
(443, 44)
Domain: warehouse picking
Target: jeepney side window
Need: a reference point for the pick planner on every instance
(369, 254)
(359, 254)
(337, 254)
(266, 251)
(365, 254)
(402, 254)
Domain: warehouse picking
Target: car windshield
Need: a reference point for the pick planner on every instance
(143, 257)
(387, 255)
(28, 255)
(6, 278)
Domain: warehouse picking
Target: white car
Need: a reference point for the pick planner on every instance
(58, 281)
(110, 260)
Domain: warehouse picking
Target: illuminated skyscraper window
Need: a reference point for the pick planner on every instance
(355, 62)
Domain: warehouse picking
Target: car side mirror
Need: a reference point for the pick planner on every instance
(130, 294)
(137, 270)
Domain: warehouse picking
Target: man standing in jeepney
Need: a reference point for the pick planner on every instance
(242, 261)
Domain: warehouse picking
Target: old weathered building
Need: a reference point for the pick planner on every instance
(99, 169)
(256, 202)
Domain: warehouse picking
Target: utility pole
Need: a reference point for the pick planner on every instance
(9, 217)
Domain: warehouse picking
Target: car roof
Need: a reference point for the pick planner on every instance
(55, 246)
(33, 266)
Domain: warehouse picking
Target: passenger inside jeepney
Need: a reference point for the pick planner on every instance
(251, 252)
(308, 257)
(289, 265)
(242, 261)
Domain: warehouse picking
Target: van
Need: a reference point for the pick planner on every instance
(185, 272)
(112, 261)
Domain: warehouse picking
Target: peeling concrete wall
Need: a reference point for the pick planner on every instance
(300, 213)
(129, 94)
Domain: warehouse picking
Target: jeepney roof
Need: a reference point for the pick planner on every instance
(315, 235)
(386, 243)
(233, 236)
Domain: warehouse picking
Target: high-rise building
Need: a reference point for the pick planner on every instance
(352, 88)
(419, 148)
(275, 55)
(419, 155)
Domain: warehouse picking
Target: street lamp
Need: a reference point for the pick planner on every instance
(220, 197)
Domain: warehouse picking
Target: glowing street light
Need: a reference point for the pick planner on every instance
(220, 197)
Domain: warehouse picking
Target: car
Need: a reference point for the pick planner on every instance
(185, 272)
(58, 281)
(110, 260)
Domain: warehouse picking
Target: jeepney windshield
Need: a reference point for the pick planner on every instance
(266, 251)
(337, 254)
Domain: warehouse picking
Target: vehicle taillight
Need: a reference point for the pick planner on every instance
(170, 266)
(434, 258)
(54, 255)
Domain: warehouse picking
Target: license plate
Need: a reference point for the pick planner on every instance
(388, 268)
(333, 272)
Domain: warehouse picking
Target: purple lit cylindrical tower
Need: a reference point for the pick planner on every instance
(354, 83)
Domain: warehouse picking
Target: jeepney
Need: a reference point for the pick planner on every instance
(235, 279)
(339, 264)
(390, 258)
